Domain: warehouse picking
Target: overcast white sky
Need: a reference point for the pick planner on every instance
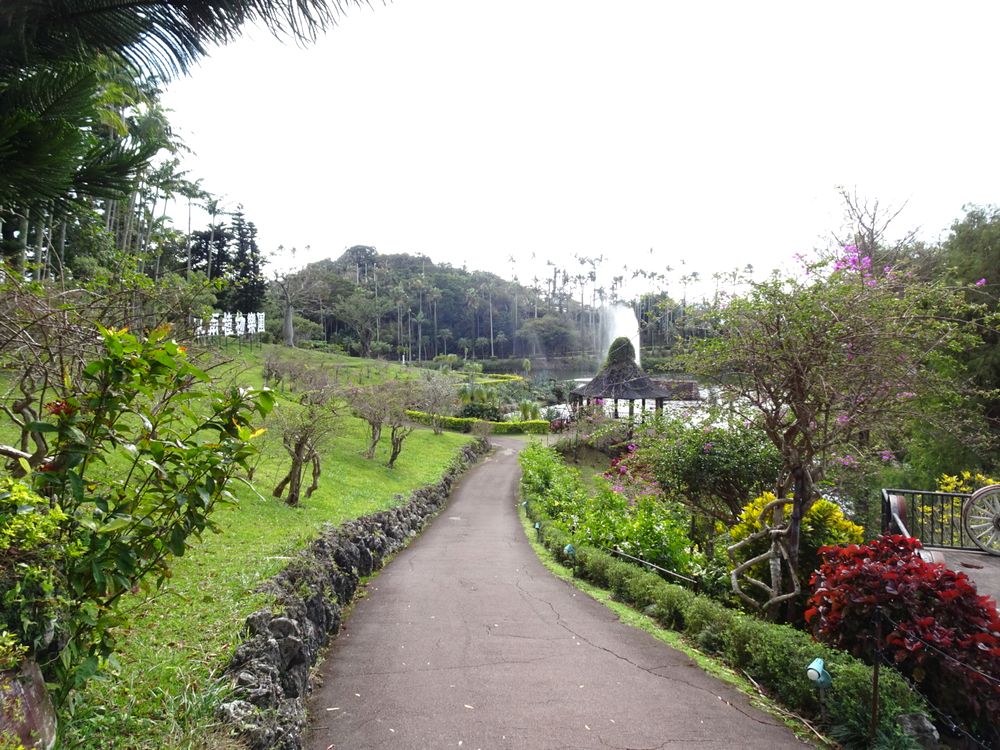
(715, 133)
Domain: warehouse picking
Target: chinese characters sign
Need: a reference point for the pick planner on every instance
(230, 324)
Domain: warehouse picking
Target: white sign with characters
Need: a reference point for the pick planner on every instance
(230, 324)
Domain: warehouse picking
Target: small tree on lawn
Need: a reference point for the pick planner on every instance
(303, 429)
(830, 366)
(439, 397)
(381, 405)
(401, 397)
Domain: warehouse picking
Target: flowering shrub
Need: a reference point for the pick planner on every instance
(823, 524)
(965, 482)
(712, 469)
(938, 630)
(630, 477)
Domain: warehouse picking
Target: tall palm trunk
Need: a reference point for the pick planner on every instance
(22, 259)
(40, 260)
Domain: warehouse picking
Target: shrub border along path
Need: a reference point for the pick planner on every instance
(774, 656)
(644, 621)
(270, 669)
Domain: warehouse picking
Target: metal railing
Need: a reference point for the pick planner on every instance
(935, 518)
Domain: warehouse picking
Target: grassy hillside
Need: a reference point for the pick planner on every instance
(163, 692)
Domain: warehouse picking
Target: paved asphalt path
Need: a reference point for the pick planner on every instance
(466, 641)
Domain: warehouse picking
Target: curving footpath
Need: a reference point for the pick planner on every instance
(466, 641)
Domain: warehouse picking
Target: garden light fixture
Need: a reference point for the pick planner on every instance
(817, 674)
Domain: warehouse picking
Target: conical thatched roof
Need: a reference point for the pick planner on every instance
(622, 378)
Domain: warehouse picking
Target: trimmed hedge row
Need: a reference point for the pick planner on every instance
(775, 656)
(465, 424)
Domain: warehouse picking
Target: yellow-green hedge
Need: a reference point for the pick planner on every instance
(465, 424)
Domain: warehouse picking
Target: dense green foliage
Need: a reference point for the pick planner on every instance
(972, 252)
(408, 307)
(131, 477)
(604, 518)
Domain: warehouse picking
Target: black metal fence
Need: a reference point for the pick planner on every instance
(935, 518)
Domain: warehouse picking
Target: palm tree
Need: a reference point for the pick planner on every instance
(434, 296)
(213, 205)
(56, 58)
(487, 287)
(472, 305)
(420, 319)
(445, 334)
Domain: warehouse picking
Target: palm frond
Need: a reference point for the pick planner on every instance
(108, 169)
(44, 122)
(51, 148)
(161, 37)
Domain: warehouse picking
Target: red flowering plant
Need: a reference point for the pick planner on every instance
(936, 628)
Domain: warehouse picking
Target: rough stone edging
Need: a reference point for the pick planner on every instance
(270, 669)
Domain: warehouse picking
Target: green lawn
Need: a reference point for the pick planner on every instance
(164, 692)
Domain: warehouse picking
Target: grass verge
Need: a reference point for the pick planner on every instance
(163, 691)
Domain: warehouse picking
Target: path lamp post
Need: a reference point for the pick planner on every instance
(569, 551)
(821, 680)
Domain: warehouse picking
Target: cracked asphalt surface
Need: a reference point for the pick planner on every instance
(466, 641)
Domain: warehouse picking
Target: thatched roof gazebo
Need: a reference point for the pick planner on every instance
(621, 379)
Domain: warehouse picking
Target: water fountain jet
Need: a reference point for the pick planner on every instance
(619, 320)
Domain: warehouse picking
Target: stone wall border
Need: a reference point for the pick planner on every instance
(270, 669)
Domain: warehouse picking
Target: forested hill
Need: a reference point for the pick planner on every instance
(400, 305)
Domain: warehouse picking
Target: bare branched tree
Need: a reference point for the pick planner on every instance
(384, 405)
(867, 223)
(303, 429)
